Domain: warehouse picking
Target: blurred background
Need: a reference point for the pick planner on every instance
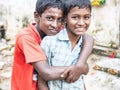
(105, 29)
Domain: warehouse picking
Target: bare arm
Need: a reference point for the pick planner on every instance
(87, 48)
(48, 72)
(81, 67)
(54, 72)
(42, 84)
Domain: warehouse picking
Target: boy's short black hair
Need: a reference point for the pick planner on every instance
(42, 5)
(69, 4)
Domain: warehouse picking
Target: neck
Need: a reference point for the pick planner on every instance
(41, 33)
(73, 39)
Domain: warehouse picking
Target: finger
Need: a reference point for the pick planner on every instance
(70, 78)
(73, 77)
(65, 73)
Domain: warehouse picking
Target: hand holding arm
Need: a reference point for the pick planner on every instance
(81, 67)
(74, 72)
(87, 48)
(48, 72)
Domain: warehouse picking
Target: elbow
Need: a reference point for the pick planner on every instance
(44, 70)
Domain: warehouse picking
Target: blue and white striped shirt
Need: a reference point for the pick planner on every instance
(59, 52)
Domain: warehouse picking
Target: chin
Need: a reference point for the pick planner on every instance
(80, 33)
(52, 34)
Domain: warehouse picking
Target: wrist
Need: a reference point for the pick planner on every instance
(80, 65)
(83, 67)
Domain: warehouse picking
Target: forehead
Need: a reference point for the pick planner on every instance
(53, 12)
(77, 10)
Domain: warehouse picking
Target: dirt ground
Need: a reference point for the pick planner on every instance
(99, 80)
(94, 80)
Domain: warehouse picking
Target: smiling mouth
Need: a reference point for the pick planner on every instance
(80, 29)
(54, 31)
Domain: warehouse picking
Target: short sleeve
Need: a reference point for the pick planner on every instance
(31, 49)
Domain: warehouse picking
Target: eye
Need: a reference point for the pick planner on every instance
(75, 17)
(60, 20)
(87, 17)
(50, 18)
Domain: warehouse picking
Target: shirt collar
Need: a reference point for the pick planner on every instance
(62, 35)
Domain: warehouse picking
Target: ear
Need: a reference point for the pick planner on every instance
(36, 16)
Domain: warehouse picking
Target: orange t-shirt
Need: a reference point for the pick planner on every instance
(27, 50)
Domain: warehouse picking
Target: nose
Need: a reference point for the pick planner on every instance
(54, 24)
(81, 22)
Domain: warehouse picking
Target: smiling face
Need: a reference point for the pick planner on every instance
(50, 21)
(78, 21)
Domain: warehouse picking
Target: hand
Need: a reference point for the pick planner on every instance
(74, 72)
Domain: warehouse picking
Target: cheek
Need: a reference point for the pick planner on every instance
(59, 24)
(44, 25)
(71, 23)
(88, 23)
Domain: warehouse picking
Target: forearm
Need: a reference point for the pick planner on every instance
(48, 72)
(42, 84)
(88, 43)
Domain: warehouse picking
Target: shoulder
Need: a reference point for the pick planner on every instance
(89, 38)
(49, 41)
(23, 32)
(50, 38)
(28, 32)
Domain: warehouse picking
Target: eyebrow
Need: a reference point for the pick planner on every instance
(84, 14)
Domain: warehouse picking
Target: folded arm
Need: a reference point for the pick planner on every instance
(87, 48)
(81, 67)
(48, 72)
